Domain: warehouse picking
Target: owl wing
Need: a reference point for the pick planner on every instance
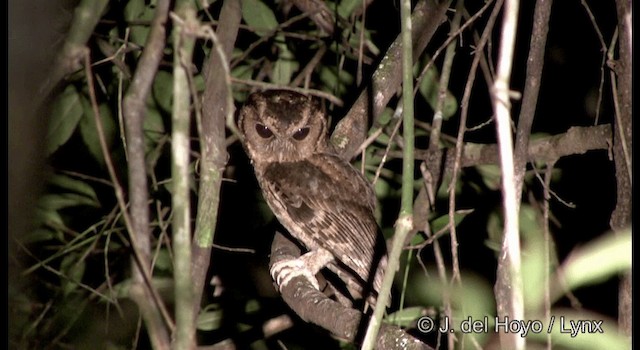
(324, 202)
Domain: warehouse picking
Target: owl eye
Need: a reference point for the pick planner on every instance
(301, 134)
(263, 131)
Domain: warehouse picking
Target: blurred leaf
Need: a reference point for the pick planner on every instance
(252, 306)
(429, 87)
(153, 127)
(494, 231)
(259, 17)
(491, 175)
(443, 190)
(65, 115)
(89, 131)
(139, 11)
(346, 7)
(47, 216)
(285, 66)
(382, 188)
(56, 201)
(563, 337)
(441, 222)
(335, 81)
(209, 320)
(385, 116)
(73, 268)
(473, 299)
(405, 317)
(74, 185)
(39, 235)
(163, 90)
(164, 285)
(601, 259)
(163, 262)
(198, 81)
(533, 257)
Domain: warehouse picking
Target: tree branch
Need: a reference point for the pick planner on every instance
(622, 141)
(315, 307)
(577, 140)
(535, 62)
(134, 109)
(212, 144)
(351, 131)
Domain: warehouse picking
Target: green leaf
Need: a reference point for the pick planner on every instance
(335, 82)
(65, 115)
(209, 320)
(73, 185)
(429, 89)
(139, 11)
(491, 175)
(284, 67)
(39, 235)
(163, 91)
(58, 201)
(405, 317)
(562, 337)
(346, 7)
(601, 259)
(252, 306)
(89, 131)
(441, 222)
(153, 127)
(259, 17)
(533, 257)
(73, 268)
(163, 262)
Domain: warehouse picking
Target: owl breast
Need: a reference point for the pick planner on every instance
(324, 202)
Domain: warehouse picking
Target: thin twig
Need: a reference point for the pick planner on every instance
(603, 48)
(508, 289)
(404, 223)
(140, 261)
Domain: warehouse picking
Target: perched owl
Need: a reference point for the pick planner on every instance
(322, 201)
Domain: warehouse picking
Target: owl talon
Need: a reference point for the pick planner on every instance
(284, 271)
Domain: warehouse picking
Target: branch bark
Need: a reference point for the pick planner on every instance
(535, 62)
(622, 144)
(212, 144)
(315, 307)
(351, 131)
(134, 109)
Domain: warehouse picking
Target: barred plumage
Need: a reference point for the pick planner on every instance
(318, 197)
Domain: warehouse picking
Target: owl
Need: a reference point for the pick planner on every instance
(323, 202)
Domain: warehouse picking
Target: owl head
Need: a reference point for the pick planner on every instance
(282, 126)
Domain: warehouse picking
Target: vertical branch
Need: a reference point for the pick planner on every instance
(508, 288)
(152, 310)
(134, 113)
(464, 110)
(185, 26)
(547, 246)
(215, 108)
(535, 63)
(404, 223)
(622, 142)
(434, 148)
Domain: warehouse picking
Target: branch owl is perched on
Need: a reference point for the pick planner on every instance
(322, 201)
